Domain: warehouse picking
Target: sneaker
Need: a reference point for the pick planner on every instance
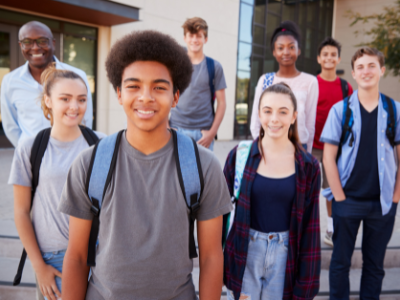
(328, 238)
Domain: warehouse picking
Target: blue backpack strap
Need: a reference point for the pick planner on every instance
(268, 80)
(390, 107)
(190, 175)
(101, 168)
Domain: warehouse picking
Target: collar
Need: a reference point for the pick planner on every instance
(25, 68)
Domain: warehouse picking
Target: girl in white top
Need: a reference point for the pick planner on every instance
(285, 48)
(45, 235)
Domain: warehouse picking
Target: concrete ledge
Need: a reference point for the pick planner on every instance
(13, 292)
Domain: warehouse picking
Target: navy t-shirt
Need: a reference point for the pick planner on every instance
(364, 179)
(271, 203)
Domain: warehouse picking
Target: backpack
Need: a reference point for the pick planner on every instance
(242, 154)
(345, 87)
(268, 80)
(37, 153)
(348, 121)
(102, 166)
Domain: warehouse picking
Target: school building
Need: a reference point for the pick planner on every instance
(239, 37)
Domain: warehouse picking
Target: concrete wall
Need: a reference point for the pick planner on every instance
(168, 16)
(345, 35)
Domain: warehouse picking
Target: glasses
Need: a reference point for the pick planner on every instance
(41, 43)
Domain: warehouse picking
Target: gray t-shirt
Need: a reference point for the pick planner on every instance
(51, 226)
(143, 250)
(194, 109)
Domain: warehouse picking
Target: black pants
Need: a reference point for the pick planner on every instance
(377, 230)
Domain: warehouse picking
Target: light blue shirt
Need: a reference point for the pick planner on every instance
(21, 112)
(386, 153)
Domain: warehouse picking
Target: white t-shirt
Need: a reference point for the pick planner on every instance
(305, 88)
(50, 225)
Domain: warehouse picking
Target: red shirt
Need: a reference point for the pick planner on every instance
(330, 92)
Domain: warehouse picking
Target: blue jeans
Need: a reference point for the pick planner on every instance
(377, 230)
(194, 134)
(55, 259)
(264, 275)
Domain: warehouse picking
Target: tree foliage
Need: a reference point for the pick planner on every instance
(385, 34)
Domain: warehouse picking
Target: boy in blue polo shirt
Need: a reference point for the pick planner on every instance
(363, 182)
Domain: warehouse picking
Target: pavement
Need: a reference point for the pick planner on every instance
(11, 248)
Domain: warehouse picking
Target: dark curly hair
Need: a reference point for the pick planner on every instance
(286, 28)
(329, 41)
(149, 45)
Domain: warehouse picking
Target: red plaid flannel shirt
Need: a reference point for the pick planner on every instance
(304, 253)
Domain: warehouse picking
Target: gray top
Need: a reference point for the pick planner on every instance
(51, 226)
(143, 250)
(194, 109)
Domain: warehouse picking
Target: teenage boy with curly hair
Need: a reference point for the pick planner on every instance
(143, 248)
(194, 115)
(361, 170)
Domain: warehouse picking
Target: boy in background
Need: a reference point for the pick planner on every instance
(332, 89)
(194, 115)
(362, 178)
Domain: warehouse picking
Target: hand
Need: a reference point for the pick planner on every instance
(47, 283)
(396, 199)
(206, 140)
(340, 200)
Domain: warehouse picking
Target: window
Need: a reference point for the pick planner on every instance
(258, 19)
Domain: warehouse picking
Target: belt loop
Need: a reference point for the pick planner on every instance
(280, 238)
(255, 235)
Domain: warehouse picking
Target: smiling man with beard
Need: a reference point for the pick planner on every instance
(21, 89)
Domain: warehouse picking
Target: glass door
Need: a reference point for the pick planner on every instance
(8, 62)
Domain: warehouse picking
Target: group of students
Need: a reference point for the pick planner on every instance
(115, 221)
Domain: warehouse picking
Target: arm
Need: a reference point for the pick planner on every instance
(211, 259)
(75, 270)
(255, 120)
(209, 135)
(396, 194)
(332, 173)
(309, 259)
(311, 112)
(9, 115)
(45, 273)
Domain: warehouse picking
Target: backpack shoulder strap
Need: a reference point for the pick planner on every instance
(37, 152)
(211, 79)
(268, 80)
(101, 168)
(89, 135)
(345, 87)
(347, 124)
(191, 178)
(242, 154)
(390, 107)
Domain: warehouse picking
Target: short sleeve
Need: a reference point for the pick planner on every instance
(333, 126)
(74, 199)
(220, 83)
(215, 200)
(21, 169)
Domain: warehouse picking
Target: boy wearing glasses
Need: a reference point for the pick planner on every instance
(21, 113)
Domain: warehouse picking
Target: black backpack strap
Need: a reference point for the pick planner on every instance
(391, 120)
(345, 87)
(96, 209)
(38, 149)
(89, 135)
(346, 127)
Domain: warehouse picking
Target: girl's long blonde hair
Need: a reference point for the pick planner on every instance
(48, 78)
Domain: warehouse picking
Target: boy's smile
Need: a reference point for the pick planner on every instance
(329, 57)
(146, 95)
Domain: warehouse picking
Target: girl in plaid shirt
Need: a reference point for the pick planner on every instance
(273, 249)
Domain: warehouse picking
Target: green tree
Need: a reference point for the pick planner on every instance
(385, 34)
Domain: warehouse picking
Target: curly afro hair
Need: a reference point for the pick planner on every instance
(149, 45)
